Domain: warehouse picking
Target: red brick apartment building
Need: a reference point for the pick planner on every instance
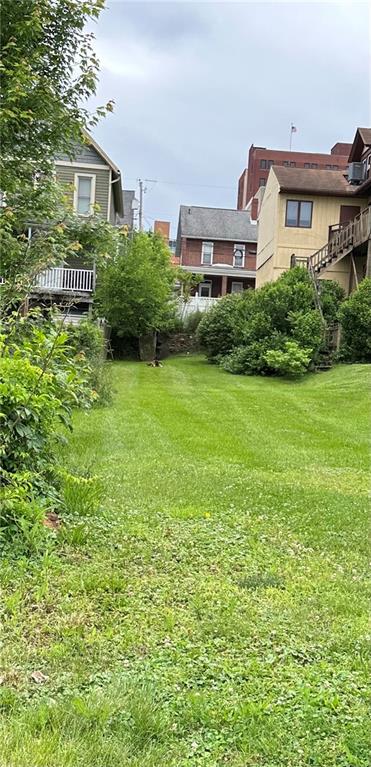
(219, 244)
(261, 160)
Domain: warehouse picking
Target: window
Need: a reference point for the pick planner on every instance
(204, 289)
(263, 164)
(237, 287)
(335, 167)
(270, 163)
(239, 256)
(299, 213)
(314, 165)
(307, 165)
(328, 167)
(286, 162)
(207, 253)
(292, 164)
(84, 195)
(262, 181)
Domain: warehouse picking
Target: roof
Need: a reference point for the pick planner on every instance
(216, 224)
(116, 173)
(361, 139)
(313, 181)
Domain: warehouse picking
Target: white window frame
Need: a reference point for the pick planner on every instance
(236, 282)
(239, 246)
(207, 242)
(93, 177)
(208, 284)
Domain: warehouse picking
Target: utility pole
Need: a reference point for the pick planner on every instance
(140, 214)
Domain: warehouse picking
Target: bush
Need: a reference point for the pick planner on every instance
(220, 329)
(86, 337)
(293, 360)
(30, 410)
(332, 295)
(192, 322)
(21, 520)
(273, 330)
(355, 319)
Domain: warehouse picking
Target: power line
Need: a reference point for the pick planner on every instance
(176, 183)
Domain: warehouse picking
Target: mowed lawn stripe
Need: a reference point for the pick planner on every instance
(215, 612)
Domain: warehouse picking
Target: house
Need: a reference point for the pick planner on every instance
(130, 206)
(260, 161)
(163, 228)
(219, 244)
(93, 184)
(92, 180)
(319, 218)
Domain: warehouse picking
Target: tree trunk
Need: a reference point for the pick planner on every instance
(147, 347)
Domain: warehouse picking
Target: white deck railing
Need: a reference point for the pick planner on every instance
(66, 280)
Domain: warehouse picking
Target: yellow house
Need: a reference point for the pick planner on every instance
(319, 218)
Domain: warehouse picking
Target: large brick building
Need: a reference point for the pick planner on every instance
(260, 161)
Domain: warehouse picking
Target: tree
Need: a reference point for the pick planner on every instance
(355, 319)
(135, 288)
(48, 71)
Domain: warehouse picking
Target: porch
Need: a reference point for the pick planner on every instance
(65, 280)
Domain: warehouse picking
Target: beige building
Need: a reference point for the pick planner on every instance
(318, 217)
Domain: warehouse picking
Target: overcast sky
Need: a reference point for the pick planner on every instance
(195, 84)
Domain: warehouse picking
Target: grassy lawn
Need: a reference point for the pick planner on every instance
(216, 611)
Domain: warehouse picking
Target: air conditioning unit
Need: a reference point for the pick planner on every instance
(356, 172)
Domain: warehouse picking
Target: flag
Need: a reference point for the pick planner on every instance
(293, 129)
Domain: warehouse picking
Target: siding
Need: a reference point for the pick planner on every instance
(66, 175)
(86, 154)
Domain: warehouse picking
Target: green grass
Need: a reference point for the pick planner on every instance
(215, 611)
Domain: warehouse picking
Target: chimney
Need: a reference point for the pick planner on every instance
(254, 209)
(162, 228)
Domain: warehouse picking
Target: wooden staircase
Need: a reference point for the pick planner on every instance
(343, 240)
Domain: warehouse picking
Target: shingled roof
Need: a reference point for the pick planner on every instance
(311, 181)
(216, 224)
(362, 139)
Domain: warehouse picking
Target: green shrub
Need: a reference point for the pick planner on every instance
(355, 319)
(220, 329)
(86, 337)
(21, 521)
(249, 359)
(192, 322)
(293, 360)
(30, 410)
(332, 295)
(263, 331)
(81, 495)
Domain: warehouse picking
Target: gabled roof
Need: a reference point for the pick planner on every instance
(362, 139)
(116, 173)
(216, 224)
(313, 181)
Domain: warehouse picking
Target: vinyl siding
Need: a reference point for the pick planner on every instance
(66, 175)
(85, 154)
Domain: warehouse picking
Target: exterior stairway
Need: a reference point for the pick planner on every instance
(342, 241)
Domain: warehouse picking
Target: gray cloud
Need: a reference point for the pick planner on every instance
(196, 83)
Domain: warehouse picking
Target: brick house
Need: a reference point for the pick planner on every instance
(219, 244)
(260, 161)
